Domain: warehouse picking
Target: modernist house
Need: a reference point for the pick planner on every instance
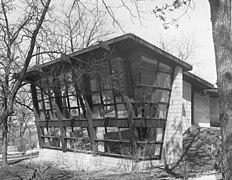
(119, 96)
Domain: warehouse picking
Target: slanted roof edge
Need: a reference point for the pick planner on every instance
(186, 66)
(199, 80)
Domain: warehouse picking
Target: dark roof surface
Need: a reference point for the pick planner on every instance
(126, 43)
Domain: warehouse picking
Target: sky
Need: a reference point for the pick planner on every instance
(196, 22)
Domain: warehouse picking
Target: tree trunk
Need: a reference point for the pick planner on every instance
(4, 143)
(221, 25)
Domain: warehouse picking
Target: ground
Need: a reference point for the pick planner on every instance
(200, 158)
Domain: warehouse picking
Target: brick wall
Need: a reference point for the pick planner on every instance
(172, 147)
(186, 105)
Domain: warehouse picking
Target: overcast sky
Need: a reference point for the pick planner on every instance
(198, 22)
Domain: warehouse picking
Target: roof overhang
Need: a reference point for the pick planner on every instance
(125, 43)
(197, 82)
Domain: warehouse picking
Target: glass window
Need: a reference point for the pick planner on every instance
(112, 133)
(165, 68)
(71, 89)
(164, 80)
(73, 101)
(136, 75)
(94, 86)
(146, 93)
(122, 112)
(162, 111)
(107, 97)
(116, 66)
(105, 83)
(148, 77)
(96, 99)
(100, 132)
(98, 112)
(109, 111)
(149, 63)
(74, 112)
(118, 96)
(159, 95)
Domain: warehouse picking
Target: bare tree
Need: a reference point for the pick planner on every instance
(183, 47)
(73, 26)
(20, 22)
(22, 119)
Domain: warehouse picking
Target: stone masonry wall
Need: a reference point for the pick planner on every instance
(172, 147)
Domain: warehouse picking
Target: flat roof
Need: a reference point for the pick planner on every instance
(197, 81)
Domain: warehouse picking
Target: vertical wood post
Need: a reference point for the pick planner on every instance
(90, 126)
(62, 131)
(131, 122)
(38, 128)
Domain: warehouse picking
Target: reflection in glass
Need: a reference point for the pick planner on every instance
(122, 112)
(107, 97)
(148, 77)
(94, 85)
(164, 80)
(149, 63)
(109, 111)
(98, 112)
(165, 68)
(162, 111)
(159, 95)
(96, 98)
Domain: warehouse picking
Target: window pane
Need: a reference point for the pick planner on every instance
(97, 112)
(47, 104)
(160, 134)
(165, 68)
(122, 112)
(40, 103)
(38, 93)
(148, 77)
(107, 97)
(112, 133)
(162, 111)
(96, 98)
(94, 86)
(105, 83)
(71, 89)
(159, 95)
(149, 63)
(138, 94)
(109, 111)
(164, 80)
(100, 132)
(72, 101)
(74, 112)
(154, 111)
(146, 93)
(136, 75)
(118, 96)
(117, 73)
